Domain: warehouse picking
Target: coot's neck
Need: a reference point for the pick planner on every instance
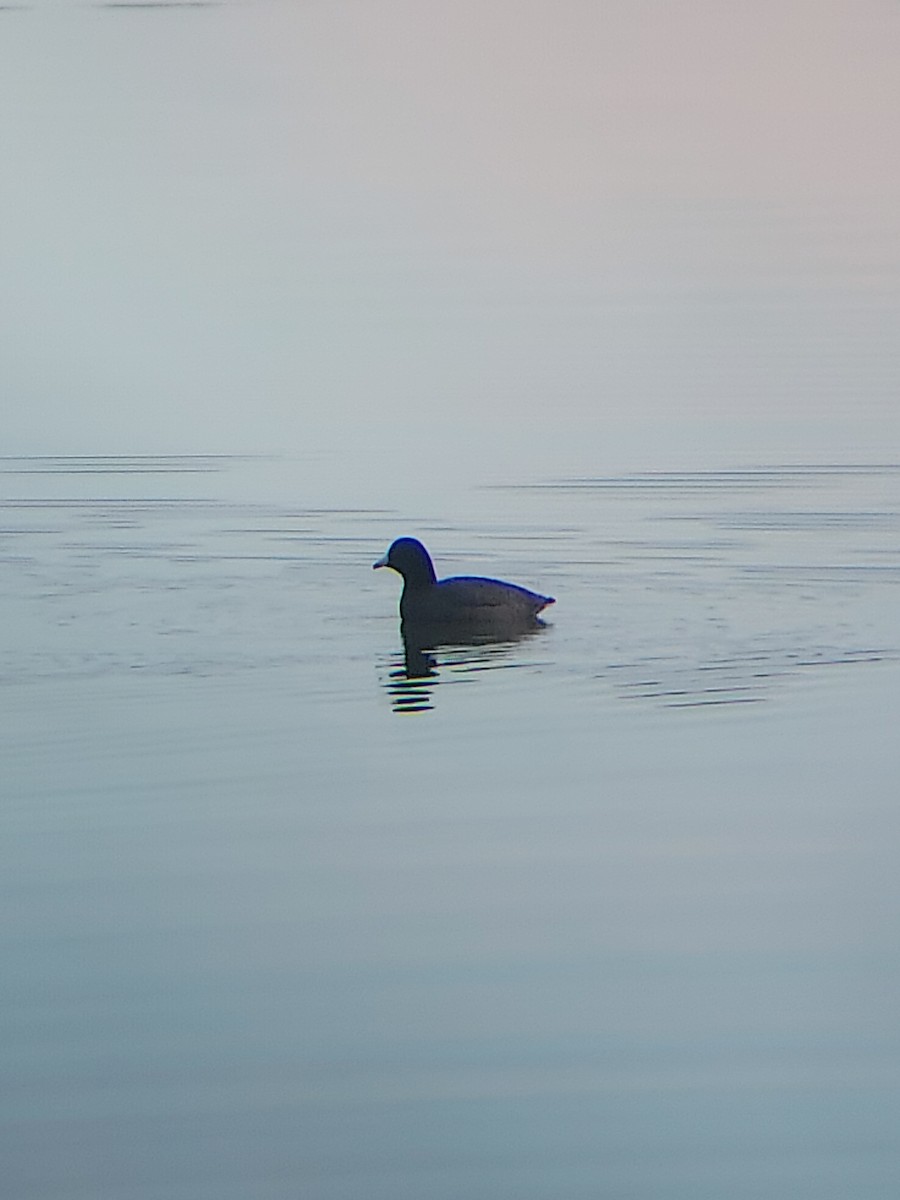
(415, 586)
(418, 576)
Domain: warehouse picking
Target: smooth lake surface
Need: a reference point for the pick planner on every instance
(601, 299)
(609, 912)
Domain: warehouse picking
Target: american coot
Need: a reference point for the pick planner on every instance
(462, 604)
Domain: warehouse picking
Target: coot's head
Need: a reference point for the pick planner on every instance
(411, 560)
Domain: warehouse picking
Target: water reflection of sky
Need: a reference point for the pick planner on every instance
(589, 916)
(618, 914)
(680, 587)
(528, 243)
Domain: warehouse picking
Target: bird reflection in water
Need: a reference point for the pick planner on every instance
(414, 676)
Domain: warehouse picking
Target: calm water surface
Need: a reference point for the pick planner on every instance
(608, 912)
(564, 290)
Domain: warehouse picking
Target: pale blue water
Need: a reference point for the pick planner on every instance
(601, 299)
(613, 913)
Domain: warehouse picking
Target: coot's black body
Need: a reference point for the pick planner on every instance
(463, 604)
